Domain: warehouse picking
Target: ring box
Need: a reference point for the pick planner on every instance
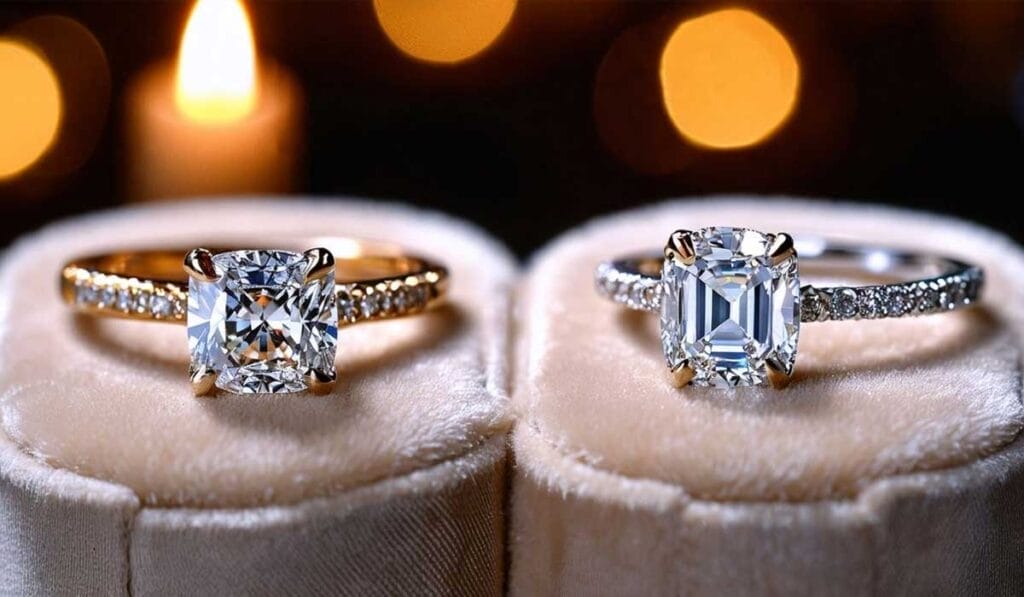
(115, 479)
(892, 464)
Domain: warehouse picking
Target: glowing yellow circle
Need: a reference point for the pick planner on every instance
(30, 107)
(728, 79)
(445, 31)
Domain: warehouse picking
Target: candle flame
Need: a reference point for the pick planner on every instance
(217, 63)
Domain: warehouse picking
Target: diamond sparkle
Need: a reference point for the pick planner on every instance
(732, 312)
(261, 326)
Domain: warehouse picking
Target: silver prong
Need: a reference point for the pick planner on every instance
(321, 382)
(321, 262)
(782, 248)
(777, 376)
(681, 375)
(202, 380)
(199, 265)
(680, 248)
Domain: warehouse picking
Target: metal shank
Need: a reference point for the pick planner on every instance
(151, 284)
(908, 283)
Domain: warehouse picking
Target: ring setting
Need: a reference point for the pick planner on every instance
(259, 321)
(731, 301)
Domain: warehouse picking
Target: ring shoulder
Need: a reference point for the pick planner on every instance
(633, 290)
(939, 294)
(389, 298)
(121, 296)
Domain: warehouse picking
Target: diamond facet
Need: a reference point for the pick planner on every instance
(261, 326)
(732, 312)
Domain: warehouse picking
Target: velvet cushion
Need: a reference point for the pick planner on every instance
(893, 463)
(114, 479)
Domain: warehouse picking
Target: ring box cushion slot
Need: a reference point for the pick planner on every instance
(91, 402)
(604, 441)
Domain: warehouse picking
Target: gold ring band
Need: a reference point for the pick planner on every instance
(152, 284)
(259, 320)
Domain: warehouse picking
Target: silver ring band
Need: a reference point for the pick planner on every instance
(936, 284)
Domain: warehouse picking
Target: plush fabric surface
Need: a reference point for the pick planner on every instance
(577, 529)
(892, 465)
(869, 399)
(110, 399)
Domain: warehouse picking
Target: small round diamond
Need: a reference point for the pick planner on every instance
(124, 300)
(85, 294)
(898, 303)
(369, 305)
(958, 293)
(401, 300)
(106, 296)
(160, 306)
(844, 303)
(872, 303)
(812, 305)
(346, 307)
(142, 301)
(928, 300)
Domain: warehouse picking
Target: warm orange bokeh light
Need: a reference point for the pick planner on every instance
(216, 79)
(728, 79)
(444, 31)
(30, 107)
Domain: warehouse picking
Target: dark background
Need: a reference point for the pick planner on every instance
(916, 104)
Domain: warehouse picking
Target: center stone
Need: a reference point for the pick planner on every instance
(261, 326)
(731, 312)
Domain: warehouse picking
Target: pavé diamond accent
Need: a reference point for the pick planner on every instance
(730, 312)
(262, 327)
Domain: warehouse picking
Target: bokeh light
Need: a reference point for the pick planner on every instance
(30, 106)
(628, 110)
(728, 78)
(443, 31)
(80, 64)
(216, 79)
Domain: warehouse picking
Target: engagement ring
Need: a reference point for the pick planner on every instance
(259, 321)
(731, 301)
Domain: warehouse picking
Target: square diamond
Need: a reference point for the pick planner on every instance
(261, 326)
(730, 311)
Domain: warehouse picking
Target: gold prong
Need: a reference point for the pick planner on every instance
(680, 248)
(199, 265)
(777, 377)
(682, 375)
(202, 380)
(321, 382)
(781, 248)
(321, 263)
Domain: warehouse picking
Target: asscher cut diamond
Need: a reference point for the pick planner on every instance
(262, 326)
(732, 312)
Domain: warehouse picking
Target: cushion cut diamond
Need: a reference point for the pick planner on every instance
(732, 311)
(262, 326)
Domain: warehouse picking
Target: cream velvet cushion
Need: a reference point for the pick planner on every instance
(889, 465)
(110, 399)
(114, 478)
(869, 398)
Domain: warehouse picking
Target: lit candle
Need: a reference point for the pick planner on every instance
(218, 121)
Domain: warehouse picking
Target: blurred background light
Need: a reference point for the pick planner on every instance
(628, 108)
(30, 106)
(216, 78)
(80, 65)
(729, 79)
(443, 31)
